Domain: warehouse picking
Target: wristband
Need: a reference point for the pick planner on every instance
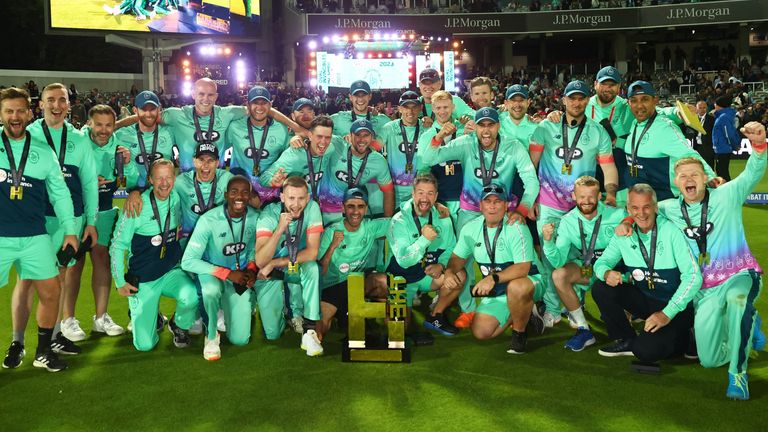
(760, 147)
(435, 142)
(629, 219)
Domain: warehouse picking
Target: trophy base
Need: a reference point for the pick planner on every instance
(379, 355)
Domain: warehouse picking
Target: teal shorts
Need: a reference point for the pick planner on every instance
(33, 258)
(105, 225)
(412, 289)
(57, 233)
(497, 306)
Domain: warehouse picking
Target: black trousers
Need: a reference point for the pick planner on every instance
(669, 341)
(722, 165)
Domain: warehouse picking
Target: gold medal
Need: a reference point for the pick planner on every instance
(17, 192)
(256, 170)
(633, 170)
(120, 182)
(586, 271)
(449, 169)
(651, 285)
(408, 167)
(567, 168)
(423, 263)
(162, 252)
(704, 258)
(293, 268)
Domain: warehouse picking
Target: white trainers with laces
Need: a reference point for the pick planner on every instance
(197, 327)
(221, 325)
(105, 324)
(71, 330)
(311, 344)
(297, 324)
(212, 351)
(550, 320)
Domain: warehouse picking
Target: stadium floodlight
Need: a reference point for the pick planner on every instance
(360, 55)
(326, 39)
(313, 82)
(376, 36)
(456, 71)
(335, 38)
(227, 50)
(399, 54)
(312, 45)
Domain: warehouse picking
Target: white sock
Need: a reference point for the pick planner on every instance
(578, 318)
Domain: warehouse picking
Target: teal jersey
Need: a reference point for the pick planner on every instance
(521, 132)
(78, 168)
(104, 160)
(657, 151)
(394, 146)
(676, 276)
(275, 143)
(193, 207)
(351, 255)
(312, 222)
(460, 109)
(340, 178)
(129, 137)
(42, 184)
(618, 114)
(512, 158)
(593, 146)
(514, 246)
(449, 174)
(214, 244)
(568, 238)
(185, 135)
(411, 251)
(342, 122)
(726, 241)
(294, 162)
(142, 238)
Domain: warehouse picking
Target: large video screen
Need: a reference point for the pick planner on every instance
(211, 17)
(336, 71)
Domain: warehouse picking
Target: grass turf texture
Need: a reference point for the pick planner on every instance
(457, 384)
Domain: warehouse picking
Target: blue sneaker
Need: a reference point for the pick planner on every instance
(440, 324)
(582, 339)
(758, 337)
(738, 387)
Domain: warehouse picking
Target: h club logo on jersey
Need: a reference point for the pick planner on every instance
(231, 249)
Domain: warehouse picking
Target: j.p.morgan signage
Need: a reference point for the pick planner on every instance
(551, 21)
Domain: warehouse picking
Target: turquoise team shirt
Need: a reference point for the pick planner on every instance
(182, 125)
(213, 245)
(521, 132)
(556, 187)
(42, 184)
(393, 144)
(128, 136)
(342, 122)
(512, 158)
(351, 255)
(376, 171)
(79, 169)
(236, 138)
(568, 239)
(726, 243)
(514, 246)
(676, 275)
(449, 174)
(191, 210)
(409, 247)
(104, 160)
(270, 218)
(658, 150)
(142, 238)
(460, 109)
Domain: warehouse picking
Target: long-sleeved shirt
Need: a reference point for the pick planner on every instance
(725, 137)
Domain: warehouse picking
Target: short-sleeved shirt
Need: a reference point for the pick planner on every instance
(339, 177)
(351, 255)
(129, 137)
(449, 174)
(191, 208)
(460, 109)
(394, 146)
(521, 132)
(214, 244)
(312, 222)
(104, 160)
(342, 122)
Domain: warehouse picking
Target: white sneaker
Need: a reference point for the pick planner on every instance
(71, 330)
(212, 351)
(197, 327)
(311, 344)
(129, 327)
(550, 320)
(221, 325)
(105, 324)
(435, 299)
(297, 324)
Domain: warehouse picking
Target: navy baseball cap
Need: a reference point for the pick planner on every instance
(259, 92)
(301, 103)
(429, 74)
(640, 88)
(206, 149)
(361, 124)
(493, 190)
(576, 86)
(608, 73)
(359, 85)
(515, 90)
(409, 97)
(146, 97)
(486, 114)
(356, 193)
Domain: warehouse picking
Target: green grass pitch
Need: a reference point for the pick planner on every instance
(456, 385)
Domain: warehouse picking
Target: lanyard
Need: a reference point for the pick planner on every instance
(487, 175)
(164, 230)
(350, 183)
(292, 240)
(610, 116)
(354, 116)
(17, 172)
(147, 158)
(312, 180)
(490, 248)
(568, 152)
(649, 260)
(424, 110)
(211, 196)
(700, 233)
(636, 144)
(62, 146)
(254, 154)
(232, 231)
(198, 132)
(588, 253)
(410, 147)
(416, 218)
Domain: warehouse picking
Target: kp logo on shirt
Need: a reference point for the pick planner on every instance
(231, 249)
(577, 153)
(204, 136)
(153, 157)
(479, 173)
(249, 153)
(318, 176)
(401, 147)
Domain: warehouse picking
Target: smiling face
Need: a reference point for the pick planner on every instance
(493, 209)
(642, 209)
(361, 142)
(424, 197)
(427, 88)
(320, 140)
(360, 101)
(15, 114)
(586, 198)
(442, 109)
(643, 106)
(409, 113)
(304, 116)
(607, 91)
(237, 196)
(55, 105)
(162, 178)
(258, 110)
(486, 132)
(148, 116)
(205, 167)
(354, 211)
(692, 181)
(482, 96)
(102, 127)
(205, 97)
(517, 107)
(575, 104)
(295, 199)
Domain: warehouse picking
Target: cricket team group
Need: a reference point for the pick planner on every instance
(508, 222)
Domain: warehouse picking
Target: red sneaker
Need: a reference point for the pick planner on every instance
(464, 320)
